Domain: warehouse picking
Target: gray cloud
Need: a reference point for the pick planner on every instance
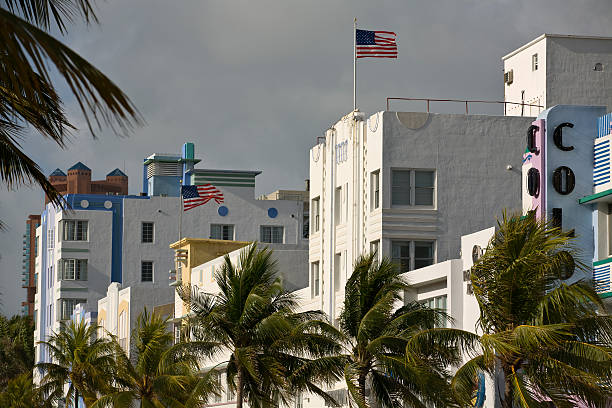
(253, 83)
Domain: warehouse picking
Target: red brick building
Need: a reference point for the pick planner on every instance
(28, 264)
(78, 181)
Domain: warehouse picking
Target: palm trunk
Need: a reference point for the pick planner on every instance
(239, 389)
(361, 383)
(508, 389)
(76, 398)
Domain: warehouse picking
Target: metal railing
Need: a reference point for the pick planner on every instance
(466, 102)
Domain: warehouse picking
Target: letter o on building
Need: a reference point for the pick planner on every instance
(563, 180)
(533, 182)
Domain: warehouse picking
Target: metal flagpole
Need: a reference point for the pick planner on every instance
(181, 212)
(355, 64)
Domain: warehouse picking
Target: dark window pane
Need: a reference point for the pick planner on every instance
(424, 179)
(400, 190)
(146, 271)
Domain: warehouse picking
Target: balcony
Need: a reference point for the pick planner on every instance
(601, 277)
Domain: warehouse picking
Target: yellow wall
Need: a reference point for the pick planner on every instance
(202, 250)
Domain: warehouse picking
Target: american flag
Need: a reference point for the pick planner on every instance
(375, 44)
(194, 196)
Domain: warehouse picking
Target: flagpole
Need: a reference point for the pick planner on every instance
(181, 211)
(355, 64)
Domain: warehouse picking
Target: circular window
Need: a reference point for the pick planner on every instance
(223, 211)
(598, 67)
(476, 253)
(531, 139)
(533, 182)
(108, 205)
(84, 203)
(568, 267)
(563, 180)
(272, 212)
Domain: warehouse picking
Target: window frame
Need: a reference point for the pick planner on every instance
(142, 264)
(142, 232)
(272, 228)
(316, 211)
(222, 231)
(63, 303)
(75, 230)
(315, 279)
(412, 203)
(77, 274)
(534, 62)
(412, 253)
(375, 190)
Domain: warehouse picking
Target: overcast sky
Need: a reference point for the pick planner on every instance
(252, 83)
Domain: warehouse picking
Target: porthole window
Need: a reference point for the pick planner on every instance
(568, 266)
(533, 182)
(531, 138)
(476, 253)
(558, 136)
(598, 67)
(563, 180)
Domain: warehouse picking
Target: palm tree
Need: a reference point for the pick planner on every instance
(162, 375)
(81, 360)
(273, 351)
(401, 354)
(20, 393)
(16, 347)
(549, 340)
(28, 95)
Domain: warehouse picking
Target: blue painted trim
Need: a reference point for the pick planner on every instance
(96, 203)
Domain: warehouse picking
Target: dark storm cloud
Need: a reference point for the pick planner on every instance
(253, 83)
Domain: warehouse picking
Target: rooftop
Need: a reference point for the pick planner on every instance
(547, 35)
(116, 172)
(79, 166)
(57, 172)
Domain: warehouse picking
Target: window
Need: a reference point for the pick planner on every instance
(375, 248)
(314, 279)
(272, 234)
(66, 307)
(423, 254)
(217, 379)
(51, 238)
(534, 62)
(410, 255)
(36, 246)
(147, 232)
(338, 206)
(424, 187)
(305, 224)
(412, 187)
(146, 271)
(221, 231)
(229, 391)
(72, 269)
(315, 214)
(122, 329)
(437, 302)
(75, 230)
(177, 333)
(50, 276)
(400, 187)
(375, 189)
(337, 271)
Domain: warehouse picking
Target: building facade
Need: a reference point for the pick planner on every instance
(558, 69)
(125, 239)
(406, 185)
(28, 267)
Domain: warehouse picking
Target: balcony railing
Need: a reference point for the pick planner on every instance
(601, 276)
(462, 101)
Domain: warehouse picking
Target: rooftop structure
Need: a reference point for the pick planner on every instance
(78, 181)
(558, 69)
